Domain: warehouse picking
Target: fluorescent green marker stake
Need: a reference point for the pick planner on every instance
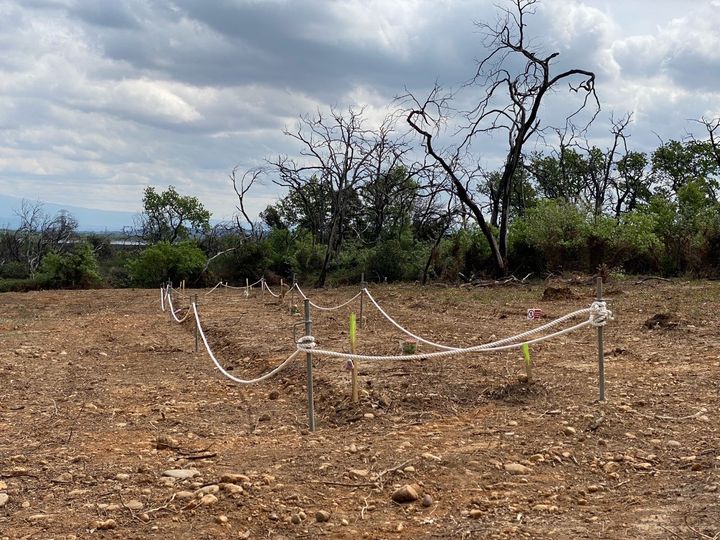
(528, 361)
(353, 342)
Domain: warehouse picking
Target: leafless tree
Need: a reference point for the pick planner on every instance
(242, 187)
(510, 102)
(339, 155)
(38, 234)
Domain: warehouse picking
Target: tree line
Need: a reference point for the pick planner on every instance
(411, 199)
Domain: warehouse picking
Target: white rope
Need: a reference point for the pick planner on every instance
(173, 311)
(599, 316)
(241, 288)
(321, 308)
(267, 288)
(215, 287)
(306, 344)
(223, 371)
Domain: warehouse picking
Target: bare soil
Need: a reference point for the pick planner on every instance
(101, 392)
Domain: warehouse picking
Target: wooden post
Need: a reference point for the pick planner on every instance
(247, 287)
(353, 342)
(362, 301)
(282, 296)
(309, 366)
(262, 288)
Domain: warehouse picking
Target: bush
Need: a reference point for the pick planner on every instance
(163, 261)
(76, 269)
(14, 270)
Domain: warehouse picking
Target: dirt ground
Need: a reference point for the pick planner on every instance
(101, 393)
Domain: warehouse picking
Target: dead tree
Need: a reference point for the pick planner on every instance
(341, 155)
(509, 102)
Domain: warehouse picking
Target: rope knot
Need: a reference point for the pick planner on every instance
(306, 343)
(600, 314)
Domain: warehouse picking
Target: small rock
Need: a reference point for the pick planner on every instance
(273, 516)
(475, 513)
(536, 458)
(181, 474)
(207, 500)
(611, 467)
(409, 469)
(4, 498)
(295, 519)
(231, 488)
(64, 478)
(405, 494)
(184, 495)
(431, 457)
(221, 520)
(369, 415)
(427, 501)
(233, 478)
(344, 522)
(213, 488)
(134, 505)
(265, 417)
(517, 468)
(321, 516)
(104, 525)
(122, 476)
(569, 430)
(274, 395)
(592, 488)
(674, 444)
(3, 485)
(359, 473)
(353, 448)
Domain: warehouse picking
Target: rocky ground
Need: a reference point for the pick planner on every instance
(111, 426)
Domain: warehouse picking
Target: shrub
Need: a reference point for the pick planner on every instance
(163, 261)
(76, 269)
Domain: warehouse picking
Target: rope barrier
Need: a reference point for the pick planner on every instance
(321, 308)
(599, 316)
(223, 371)
(215, 287)
(173, 311)
(267, 288)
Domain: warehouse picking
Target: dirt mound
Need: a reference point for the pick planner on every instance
(558, 293)
(665, 321)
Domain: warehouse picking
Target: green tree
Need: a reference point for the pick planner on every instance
(171, 217)
(164, 261)
(75, 269)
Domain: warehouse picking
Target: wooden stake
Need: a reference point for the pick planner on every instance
(353, 343)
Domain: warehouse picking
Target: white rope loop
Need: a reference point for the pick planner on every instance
(223, 371)
(174, 311)
(600, 314)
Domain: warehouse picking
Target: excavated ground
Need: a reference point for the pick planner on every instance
(101, 393)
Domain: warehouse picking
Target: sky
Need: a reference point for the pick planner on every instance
(99, 99)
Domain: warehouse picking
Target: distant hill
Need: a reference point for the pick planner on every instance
(89, 219)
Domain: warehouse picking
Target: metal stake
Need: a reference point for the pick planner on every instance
(282, 296)
(262, 288)
(197, 333)
(601, 346)
(362, 301)
(311, 404)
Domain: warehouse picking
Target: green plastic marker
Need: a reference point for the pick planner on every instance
(526, 354)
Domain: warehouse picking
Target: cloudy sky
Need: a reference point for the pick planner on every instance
(100, 98)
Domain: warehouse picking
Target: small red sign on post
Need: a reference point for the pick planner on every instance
(534, 313)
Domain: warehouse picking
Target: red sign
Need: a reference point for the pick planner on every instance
(534, 313)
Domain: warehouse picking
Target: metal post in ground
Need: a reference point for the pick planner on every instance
(311, 404)
(601, 345)
(282, 296)
(197, 333)
(262, 288)
(247, 287)
(362, 302)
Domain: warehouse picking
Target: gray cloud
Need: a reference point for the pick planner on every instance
(98, 100)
